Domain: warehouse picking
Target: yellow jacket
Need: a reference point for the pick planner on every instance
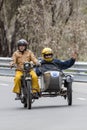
(18, 58)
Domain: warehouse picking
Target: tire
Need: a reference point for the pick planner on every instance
(23, 100)
(69, 93)
(25, 105)
(29, 95)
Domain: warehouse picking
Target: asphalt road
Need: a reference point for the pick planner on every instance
(46, 113)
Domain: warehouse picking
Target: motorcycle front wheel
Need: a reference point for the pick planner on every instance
(29, 95)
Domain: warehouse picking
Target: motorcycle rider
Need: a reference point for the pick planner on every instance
(18, 58)
(47, 55)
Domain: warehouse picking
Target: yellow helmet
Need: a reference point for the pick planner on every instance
(47, 54)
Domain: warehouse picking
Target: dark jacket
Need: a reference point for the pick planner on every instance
(62, 65)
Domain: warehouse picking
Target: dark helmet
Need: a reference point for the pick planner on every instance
(22, 42)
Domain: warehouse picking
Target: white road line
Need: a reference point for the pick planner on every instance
(83, 99)
(3, 84)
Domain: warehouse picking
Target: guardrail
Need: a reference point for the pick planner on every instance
(78, 70)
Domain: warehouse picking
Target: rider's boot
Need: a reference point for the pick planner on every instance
(63, 90)
(18, 96)
(39, 94)
(35, 95)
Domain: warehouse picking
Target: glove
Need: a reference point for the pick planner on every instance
(12, 65)
(38, 64)
(75, 54)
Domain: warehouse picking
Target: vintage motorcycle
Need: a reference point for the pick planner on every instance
(51, 83)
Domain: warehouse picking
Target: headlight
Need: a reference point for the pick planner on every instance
(27, 66)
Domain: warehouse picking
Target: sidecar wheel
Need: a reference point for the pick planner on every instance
(29, 95)
(69, 93)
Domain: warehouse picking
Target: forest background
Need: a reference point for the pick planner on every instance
(59, 24)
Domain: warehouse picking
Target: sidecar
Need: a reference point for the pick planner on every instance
(52, 82)
(56, 83)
